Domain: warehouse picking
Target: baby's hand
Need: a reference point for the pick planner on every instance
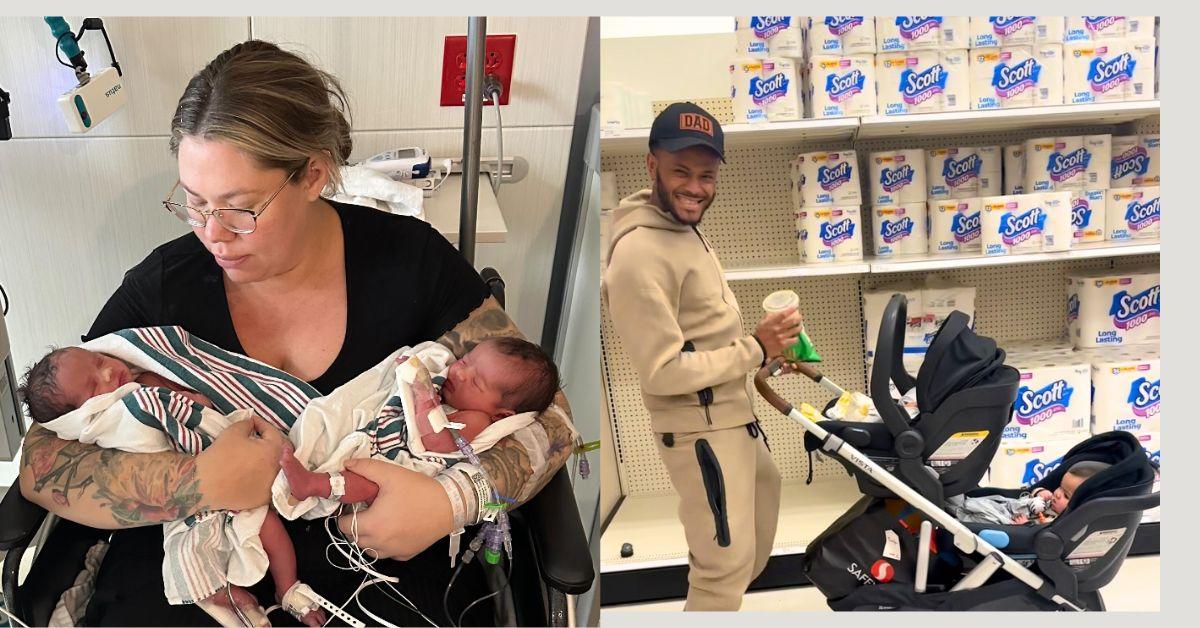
(1020, 520)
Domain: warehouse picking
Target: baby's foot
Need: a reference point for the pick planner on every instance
(315, 618)
(304, 483)
(241, 597)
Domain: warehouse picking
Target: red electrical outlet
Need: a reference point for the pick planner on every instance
(498, 60)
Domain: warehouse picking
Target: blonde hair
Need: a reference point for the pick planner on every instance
(270, 103)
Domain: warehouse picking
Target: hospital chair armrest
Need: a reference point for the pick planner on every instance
(559, 543)
(19, 519)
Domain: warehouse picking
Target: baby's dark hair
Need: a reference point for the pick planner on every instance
(540, 380)
(1085, 469)
(39, 389)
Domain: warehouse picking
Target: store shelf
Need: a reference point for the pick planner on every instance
(957, 122)
(944, 262)
(831, 129)
(800, 270)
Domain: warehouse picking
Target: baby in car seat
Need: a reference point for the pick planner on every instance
(1038, 505)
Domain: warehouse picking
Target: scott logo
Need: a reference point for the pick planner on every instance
(1144, 397)
(1006, 25)
(1134, 161)
(1072, 308)
(767, 26)
(768, 90)
(1140, 216)
(1104, 75)
(1038, 406)
(893, 231)
(1081, 213)
(831, 177)
(966, 227)
(1012, 80)
(842, 24)
(1063, 166)
(917, 87)
(958, 172)
(1096, 23)
(834, 233)
(695, 122)
(917, 26)
(1015, 229)
(892, 179)
(1036, 470)
(841, 88)
(1134, 310)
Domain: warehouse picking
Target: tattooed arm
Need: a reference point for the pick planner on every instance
(516, 471)
(106, 488)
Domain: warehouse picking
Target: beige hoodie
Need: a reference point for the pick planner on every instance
(664, 287)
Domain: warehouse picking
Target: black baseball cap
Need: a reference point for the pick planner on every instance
(685, 124)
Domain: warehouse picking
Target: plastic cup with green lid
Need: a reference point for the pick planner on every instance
(803, 350)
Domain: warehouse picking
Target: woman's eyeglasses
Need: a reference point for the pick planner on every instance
(235, 220)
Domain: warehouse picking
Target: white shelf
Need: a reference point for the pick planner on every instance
(947, 261)
(912, 263)
(830, 129)
(801, 270)
(957, 122)
(442, 211)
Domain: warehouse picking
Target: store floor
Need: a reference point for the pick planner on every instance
(1135, 589)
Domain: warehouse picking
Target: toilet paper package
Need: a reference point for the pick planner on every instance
(1108, 308)
(1015, 76)
(921, 32)
(963, 172)
(794, 173)
(1014, 169)
(785, 36)
(1053, 401)
(923, 81)
(1012, 224)
(840, 86)
(829, 178)
(941, 297)
(745, 75)
(1135, 161)
(1125, 393)
(1132, 214)
(1088, 215)
(1101, 72)
(752, 36)
(954, 226)
(898, 177)
(778, 90)
(916, 327)
(1107, 27)
(899, 229)
(1059, 232)
(994, 31)
(1067, 163)
(1141, 57)
(831, 233)
(1023, 465)
(1051, 29)
(841, 35)
(1152, 443)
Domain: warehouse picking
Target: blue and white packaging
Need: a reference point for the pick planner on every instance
(753, 34)
(1108, 308)
(1126, 391)
(921, 32)
(1108, 71)
(831, 234)
(955, 226)
(899, 229)
(1059, 232)
(963, 172)
(1135, 160)
(1012, 224)
(745, 78)
(841, 35)
(1093, 28)
(994, 31)
(779, 90)
(1016, 76)
(923, 81)
(1053, 401)
(1088, 215)
(829, 178)
(1014, 169)
(898, 177)
(840, 86)
(1023, 465)
(1076, 162)
(1133, 214)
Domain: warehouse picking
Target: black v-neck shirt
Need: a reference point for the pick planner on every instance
(405, 284)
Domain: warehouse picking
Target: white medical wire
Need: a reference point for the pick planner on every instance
(499, 145)
(11, 616)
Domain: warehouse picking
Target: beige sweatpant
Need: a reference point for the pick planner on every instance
(729, 505)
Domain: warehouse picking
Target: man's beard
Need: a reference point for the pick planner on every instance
(667, 203)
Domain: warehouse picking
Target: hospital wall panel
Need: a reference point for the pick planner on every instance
(158, 56)
(392, 66)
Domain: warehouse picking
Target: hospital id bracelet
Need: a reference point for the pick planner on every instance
(480, 487)
(458, 509)
(463, 481)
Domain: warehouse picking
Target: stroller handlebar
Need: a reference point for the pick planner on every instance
(764, 389)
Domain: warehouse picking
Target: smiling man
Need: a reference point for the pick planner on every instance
(682, 328)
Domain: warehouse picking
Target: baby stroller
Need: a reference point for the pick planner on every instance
(898, 548)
